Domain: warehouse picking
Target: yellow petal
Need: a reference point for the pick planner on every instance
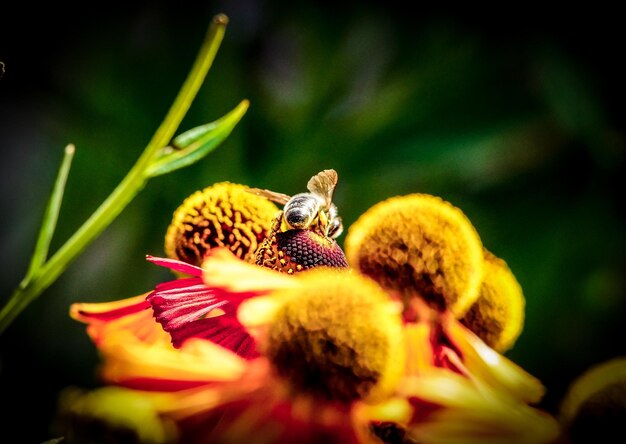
(484, 363)
(396, 410)
(222, 269)
(131, 316)
(259, 311)
(198, 360)
(487, 427)
(255, 378)
(185, 403)
(419, 351)
(473, 412)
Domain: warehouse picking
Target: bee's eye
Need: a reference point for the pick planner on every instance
(335, 228)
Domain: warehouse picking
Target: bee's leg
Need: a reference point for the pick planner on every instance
(323, 223)
(319, 224)
(264, 254)
(277, 224)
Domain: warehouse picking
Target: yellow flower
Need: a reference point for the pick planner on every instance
(138, 353)
(594, 407)
(331, 343)
(497, 316)
(419, 246)
(336, 361)
(113, 414)
(425, 251)
(224, 214)
(427, 254)
(336, 336)
(451, 388)
(333, 354)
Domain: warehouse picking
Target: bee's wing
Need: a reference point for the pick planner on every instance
(270, 195)
(323, 184)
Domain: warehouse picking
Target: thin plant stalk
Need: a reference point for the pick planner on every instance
(42, 273)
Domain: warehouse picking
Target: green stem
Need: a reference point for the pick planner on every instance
(41, 277)
(51, 215)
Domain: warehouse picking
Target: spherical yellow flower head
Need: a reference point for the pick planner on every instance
(222, 215)
(419, 245)
(112, 414)
(594, 407)
(292, 251)
(497, 316)
(338, 339)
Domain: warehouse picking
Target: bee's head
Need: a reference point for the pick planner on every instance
(334, 225)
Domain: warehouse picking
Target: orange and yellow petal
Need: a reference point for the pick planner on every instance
(419, 245)
(222, 215)
(161, 367)
(131, 316)
(483, 363)
(138, 353)
(386, 420)
(474, 412)
(420, 349)
(257, 408)
(222, 269)
(263, 419)
(497, 316)
(108, 311)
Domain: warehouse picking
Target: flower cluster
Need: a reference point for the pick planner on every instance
(277, 337)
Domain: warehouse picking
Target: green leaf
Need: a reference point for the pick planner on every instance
(193, 145)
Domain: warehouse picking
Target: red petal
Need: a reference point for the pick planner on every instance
(159, 385)
(108, 311)
(175, 265)
(261, 418)
(181, 307)
(445, 352)
(227, 332)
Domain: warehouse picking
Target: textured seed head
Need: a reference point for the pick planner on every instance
(222, 215)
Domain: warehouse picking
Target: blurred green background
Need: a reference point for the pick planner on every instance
(514, 115)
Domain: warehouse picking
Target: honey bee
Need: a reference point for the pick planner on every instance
(313, 210)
